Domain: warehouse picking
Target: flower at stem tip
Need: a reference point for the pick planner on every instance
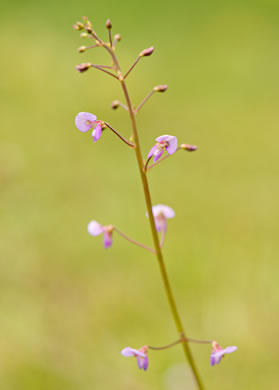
(140, 354)
(85, 121)
(168, 142)
(95, 229)
(218, 352)
(161, 214)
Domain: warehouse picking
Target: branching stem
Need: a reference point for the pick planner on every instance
(133, 241)
(119, 135)
(144, 101)
(132, 67)
(156, 241)
(103, 70)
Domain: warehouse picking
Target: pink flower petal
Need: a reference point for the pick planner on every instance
(152, 151)
(84, 121)
(167, 211)
(157, 154)
(172, 145)
(94, 228)
(107, 239)
(127, 352)
(96, 133)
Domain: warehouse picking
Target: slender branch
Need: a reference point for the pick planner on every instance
(146, 164)
(182, 340)
(161, 159)
(163, 235)
(165, 346)
(117, 103)
(133, 241)
(91, 47)
(144, 101)
(105, 66)
(119, 135)
(132, 67)
(110, 38)
(103, 70)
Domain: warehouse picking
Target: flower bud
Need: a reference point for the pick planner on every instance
(82, 49)
(115, 104)
(108, 24)
(83, 67)
(189, 148)
(78, 26)
(117, 37)
(88, 28)
(147, 52)
(161, 88)
(84, 35)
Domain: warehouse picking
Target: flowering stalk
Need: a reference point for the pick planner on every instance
(158, 251)
(157, 215)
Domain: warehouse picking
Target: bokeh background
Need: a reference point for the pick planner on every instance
(67, 306)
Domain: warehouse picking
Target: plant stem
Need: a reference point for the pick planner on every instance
(159, 255)
(103, 70)
(133, 241)
(132, 67)
(119, 135)
(144, 100)
(180, 341)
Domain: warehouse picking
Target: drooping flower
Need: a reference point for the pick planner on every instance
(140, 354)
(95, 229)
(85, 121)
(161, 213)
(168, 142)
(218, 353)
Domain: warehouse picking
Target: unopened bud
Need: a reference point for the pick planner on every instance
(83, 67)
(84, 35)
(117, 37)
(108, 24)
(147, 52)
(115, 104)
(78, 26)
(88, 28)
(85, 19)
(161, 88)
(82, 49)
(189, 148)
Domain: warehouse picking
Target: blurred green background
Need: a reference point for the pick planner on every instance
(68, 306)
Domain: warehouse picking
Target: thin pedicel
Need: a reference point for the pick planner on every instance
(157, 215)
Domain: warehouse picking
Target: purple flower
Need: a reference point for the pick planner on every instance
(95, 229)
(161, 214)
(168, 142)
(218, 352)
(140, 354)
(85, 121)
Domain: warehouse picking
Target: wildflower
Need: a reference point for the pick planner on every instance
(95, 229)
(161, 214)
(85, 121)
(218, 352)
(140, 354)
(168, 142)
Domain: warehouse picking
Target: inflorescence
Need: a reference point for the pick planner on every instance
(158, 214)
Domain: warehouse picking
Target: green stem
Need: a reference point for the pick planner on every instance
(159, 255)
